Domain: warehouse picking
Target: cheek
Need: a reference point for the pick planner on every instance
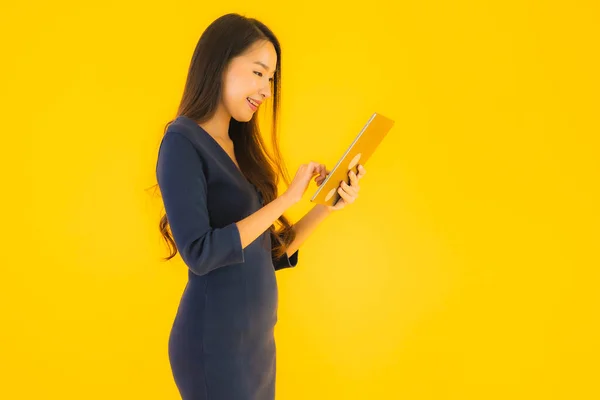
(234, 101)
(231, 96)
(236, 90)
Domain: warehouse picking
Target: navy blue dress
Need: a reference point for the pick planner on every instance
(221, 345)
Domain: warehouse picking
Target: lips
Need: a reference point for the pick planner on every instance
(253, 103)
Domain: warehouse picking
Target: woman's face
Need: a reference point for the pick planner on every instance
(247, 80)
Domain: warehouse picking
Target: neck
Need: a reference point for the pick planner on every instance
(218, 125)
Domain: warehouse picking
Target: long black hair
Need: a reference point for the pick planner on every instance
(225, 38)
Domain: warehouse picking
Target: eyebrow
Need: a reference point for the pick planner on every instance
(262, 65)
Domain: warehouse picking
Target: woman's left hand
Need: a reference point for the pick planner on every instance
(349, 193)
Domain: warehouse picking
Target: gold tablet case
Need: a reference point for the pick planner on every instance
(358, 153)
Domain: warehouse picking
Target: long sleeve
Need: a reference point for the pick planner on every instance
(183, 188)
(284, 261)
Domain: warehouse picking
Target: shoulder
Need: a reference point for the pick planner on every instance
(178, 151)
(174, 142)
(182, 145)
(178, 132)
(182, 131)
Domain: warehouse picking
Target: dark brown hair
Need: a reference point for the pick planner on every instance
(225, 38)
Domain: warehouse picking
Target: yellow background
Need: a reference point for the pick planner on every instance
(467, 269)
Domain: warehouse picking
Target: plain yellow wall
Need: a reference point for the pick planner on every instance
(467, 269)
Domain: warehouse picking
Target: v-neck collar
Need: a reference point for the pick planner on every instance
(212, 140)
(218, 147)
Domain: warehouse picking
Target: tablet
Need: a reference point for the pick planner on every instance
(358, 153)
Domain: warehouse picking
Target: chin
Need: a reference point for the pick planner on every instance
(245, 117)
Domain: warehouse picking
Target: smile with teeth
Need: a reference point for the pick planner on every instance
(252, 102)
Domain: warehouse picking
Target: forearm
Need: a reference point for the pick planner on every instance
(306, 225)
(255, 224)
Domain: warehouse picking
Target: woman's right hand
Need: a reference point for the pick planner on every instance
(303, 176)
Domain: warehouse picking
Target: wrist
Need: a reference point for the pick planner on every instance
(287, 199)
(324, 209)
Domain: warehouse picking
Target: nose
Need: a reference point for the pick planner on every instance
(265, 92)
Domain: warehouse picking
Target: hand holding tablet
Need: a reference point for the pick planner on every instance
(359, 151)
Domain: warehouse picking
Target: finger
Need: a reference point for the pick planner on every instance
(352, 191)
(353, 182)
(320, 177)
(347, 198)
(353, 178)
(312, 167)
(316, 168)
(361, 171)
(339, 204)
(344, 195)
(323, 170)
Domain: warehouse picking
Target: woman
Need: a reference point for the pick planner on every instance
(219, 188)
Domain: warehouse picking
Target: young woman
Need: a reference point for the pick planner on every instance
(219, 189)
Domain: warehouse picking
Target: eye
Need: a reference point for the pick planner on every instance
(260, 74)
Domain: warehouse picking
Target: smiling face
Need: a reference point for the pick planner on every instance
(248, 79)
